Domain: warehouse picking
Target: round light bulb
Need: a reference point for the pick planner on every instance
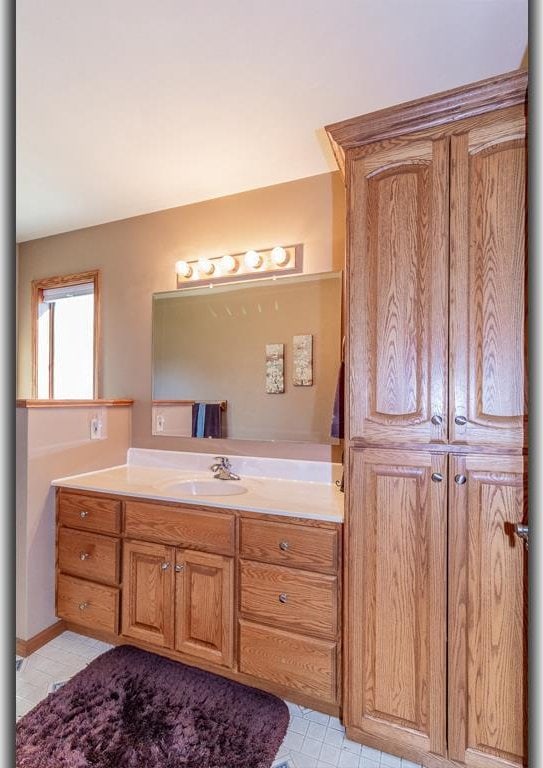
(183, 269)
(229, 264)
(205, 266)
(253, 259)
(279, 256)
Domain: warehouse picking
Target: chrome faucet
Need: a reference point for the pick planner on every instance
(221, 470)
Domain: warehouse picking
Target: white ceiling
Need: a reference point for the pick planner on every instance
(131, 106)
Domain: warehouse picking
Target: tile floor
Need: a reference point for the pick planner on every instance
(313, 740)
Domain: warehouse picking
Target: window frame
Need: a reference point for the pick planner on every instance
(64, 281)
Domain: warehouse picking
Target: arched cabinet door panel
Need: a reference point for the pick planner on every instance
(488, 607)
(396, 599)
(488, 394)
(398, 285)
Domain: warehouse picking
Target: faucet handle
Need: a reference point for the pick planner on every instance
(224, 461)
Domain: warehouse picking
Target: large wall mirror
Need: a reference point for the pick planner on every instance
(255, 361)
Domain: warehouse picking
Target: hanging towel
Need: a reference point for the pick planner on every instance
(337, 429)
(206, 420)
(213, 420)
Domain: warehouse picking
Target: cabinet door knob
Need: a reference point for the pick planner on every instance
(437, 477)
(83, 513)
(460, 420)
(84, 555)
(179, 568)
(82, 606)
(437, 419)
(460, 479)
(283, 546)
(522, 532)
(165, 566)
(283, 597)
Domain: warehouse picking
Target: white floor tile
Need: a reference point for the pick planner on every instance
(293, 741)
(330, 755)
(299, 725)
(300, 760)
(333, 737)
(390, 761)
(348, 760)
(311, 747)
(316, 731)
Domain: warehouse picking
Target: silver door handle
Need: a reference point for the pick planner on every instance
(522, 532)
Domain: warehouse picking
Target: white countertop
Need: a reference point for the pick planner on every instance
(291, 498)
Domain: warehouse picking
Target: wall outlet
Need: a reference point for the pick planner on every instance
(95, 428)
(160, 423)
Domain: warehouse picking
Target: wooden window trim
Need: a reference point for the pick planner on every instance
(92, 276)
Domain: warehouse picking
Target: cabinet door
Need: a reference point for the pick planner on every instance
(488, 394)
(148, 592)
(487, 612)
(398, 292)
(396, 600)
(204, 606)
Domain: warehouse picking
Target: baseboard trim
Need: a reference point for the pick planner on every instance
(26, 647)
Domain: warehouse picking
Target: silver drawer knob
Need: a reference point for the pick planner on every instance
(82, 606)
(460, 420)
(437, 477)
(283, 546)
(460, 479)
(83, 513)
(437, 420)
(179, 568)
(84, 555)
(283, 597)
(522, 532)
(165, 566)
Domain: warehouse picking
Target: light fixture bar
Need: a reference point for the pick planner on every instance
(250, 265)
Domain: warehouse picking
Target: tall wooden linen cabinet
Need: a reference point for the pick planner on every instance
(436, 437)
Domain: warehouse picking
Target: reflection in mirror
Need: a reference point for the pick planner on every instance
(210, 349)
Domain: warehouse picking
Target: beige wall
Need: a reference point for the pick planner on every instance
(52, 443)
(137, 258)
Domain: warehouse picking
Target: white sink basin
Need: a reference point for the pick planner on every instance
(205, 487)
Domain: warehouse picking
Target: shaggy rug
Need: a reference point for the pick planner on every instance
(133, 709)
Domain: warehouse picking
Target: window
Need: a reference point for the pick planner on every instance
(65, 313)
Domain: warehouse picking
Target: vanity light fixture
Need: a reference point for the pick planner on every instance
(251, 265)
(229, 264)
(183, 269)
(280, 256)
(253, 259)
(206, 267)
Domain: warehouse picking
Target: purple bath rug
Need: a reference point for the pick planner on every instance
(133, 709)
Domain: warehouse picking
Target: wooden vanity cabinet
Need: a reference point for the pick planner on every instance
(436, 426)
(88, 560)
(289, 604)
(254, 597)
(398, 618)
(488, 611)
(204, 606)
(180, 597)
(148, 578)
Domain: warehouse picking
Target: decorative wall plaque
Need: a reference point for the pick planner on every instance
(275, 371)
(303, 360)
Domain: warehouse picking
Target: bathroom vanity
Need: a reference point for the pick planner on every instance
(236, 577)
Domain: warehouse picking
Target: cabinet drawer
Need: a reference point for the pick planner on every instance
(89, 513)
(300, 663)
(88, 555)
(297, 600)
(296, 545)
(86, 603)
(214, 532)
